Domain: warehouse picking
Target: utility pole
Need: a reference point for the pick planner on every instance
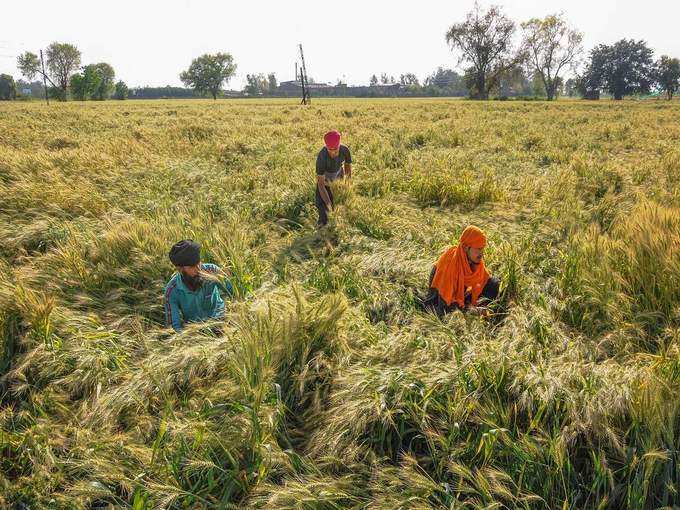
(306, 99)
(42, 63)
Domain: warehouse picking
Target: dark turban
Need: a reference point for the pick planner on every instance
(185, 253)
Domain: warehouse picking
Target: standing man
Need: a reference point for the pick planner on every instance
(332, 163)
(459, 280)
(192, 294)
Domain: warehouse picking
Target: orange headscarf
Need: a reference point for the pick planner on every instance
(453, 274)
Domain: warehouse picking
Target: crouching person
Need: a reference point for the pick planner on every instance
(459, 280)
(193, 293)
(334, 162)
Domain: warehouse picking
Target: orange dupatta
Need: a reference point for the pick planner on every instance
(454, 276)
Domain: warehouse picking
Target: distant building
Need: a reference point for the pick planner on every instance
(296, 86)
(26, 92)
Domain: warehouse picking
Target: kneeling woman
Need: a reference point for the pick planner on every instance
(459, 280)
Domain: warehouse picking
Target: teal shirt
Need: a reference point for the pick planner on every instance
(184, 305)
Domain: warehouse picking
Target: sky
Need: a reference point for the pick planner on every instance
(151, 42)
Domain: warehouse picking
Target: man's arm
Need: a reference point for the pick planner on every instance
(348, 170)
(218, 311)
(172, 312)
(221, 279)
(228, 288)
(321, 185)
(347, 167)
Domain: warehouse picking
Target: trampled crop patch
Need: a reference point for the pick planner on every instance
(326, 387)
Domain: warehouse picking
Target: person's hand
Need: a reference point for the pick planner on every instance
(479, 310)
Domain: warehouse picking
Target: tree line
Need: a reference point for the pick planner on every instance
(487, 43)
(499, 58)
(63, 76)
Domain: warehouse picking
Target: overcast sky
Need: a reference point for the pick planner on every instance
(151, 42)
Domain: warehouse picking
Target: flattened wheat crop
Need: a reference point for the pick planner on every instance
(326, 387)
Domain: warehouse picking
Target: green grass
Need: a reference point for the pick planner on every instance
(325, 387)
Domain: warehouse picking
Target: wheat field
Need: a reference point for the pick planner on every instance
(327, 388)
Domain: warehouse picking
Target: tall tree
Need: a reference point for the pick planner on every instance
(373, 81)
(443, 78)
(551, 45)
(537, 86)
(623, 68)
(484, 40)
(84, 85)
(668, 75)
(272, 84)
(121, 91)
(570, 87)
(106, 84)
(8, 89)
(409, 79)
(207, 73)
(588, 83)
(256, 84)
(512, 82)
(62, 61)
(29, 64)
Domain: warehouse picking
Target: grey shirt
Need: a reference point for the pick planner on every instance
(331, 168)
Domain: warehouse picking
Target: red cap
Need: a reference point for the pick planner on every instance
(332, 139)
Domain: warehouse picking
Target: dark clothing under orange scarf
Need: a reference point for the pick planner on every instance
(453, 275)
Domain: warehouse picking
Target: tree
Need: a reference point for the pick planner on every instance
(30, 89)
(162, 92)
(588, 84)
(484, 39)
(551, 45)
(62, 61)
(121, 91)
(85, 85)
(208, 72)
(409, 79)
(537, 86)
(106, 82)
(8, 89)
(668, 75)
(79, 87)
(256, 84)
(445, 82)
(513, 81)
(272, 84)
(29, 64)
(386, 80)
(623, 68)
(374, 81)
(443, 78)
(570, 87)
